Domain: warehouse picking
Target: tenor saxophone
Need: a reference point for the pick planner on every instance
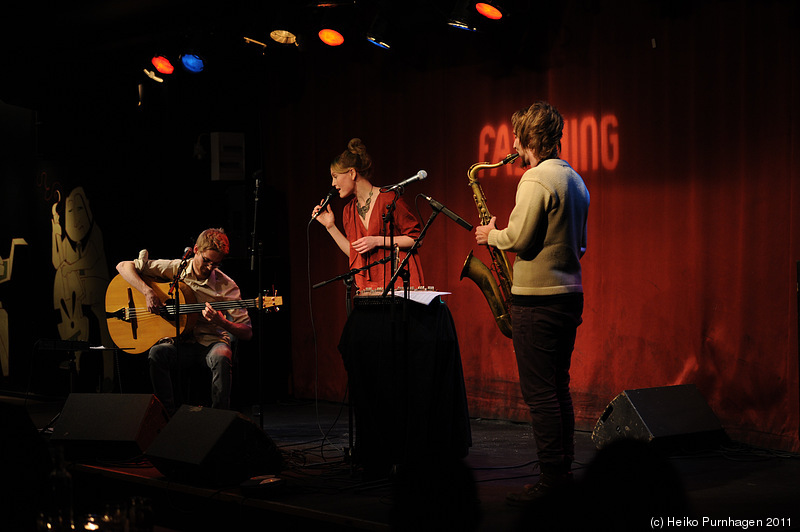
(496, 291)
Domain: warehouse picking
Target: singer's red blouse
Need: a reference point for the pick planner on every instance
(405, 223)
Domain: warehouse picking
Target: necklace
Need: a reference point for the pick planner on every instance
(362, 211)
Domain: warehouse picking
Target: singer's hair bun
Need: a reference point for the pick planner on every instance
(355, 156)
(356, 146)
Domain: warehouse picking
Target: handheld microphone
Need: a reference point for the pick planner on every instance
(325, 202)
(447, 212)
(186, 252)
(419, 176)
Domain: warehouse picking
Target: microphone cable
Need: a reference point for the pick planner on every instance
(324, 433)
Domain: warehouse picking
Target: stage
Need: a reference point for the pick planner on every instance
(319, 487)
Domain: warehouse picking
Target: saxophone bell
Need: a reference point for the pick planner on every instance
(480, 274)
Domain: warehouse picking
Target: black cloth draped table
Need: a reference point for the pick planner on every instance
(406, 384)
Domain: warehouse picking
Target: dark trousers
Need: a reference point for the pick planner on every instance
(544, 337)
(165, 359)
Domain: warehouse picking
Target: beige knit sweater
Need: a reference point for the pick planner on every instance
(547, 230)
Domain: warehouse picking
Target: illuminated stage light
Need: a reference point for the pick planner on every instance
(378, 41)
(331, 37)
(461, 17)
(263, 46)
(283, 37)
(163, 64)
(152, 75)
(489, 10)
(378, 33)
(193, 63)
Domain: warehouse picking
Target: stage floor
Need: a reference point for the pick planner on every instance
(733, 487)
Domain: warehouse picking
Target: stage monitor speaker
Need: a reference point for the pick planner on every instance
(213, 447)
(108, 425)
(673, 418)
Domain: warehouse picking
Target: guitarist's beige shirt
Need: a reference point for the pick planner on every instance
(218, 287)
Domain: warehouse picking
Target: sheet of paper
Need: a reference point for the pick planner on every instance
(426, 297)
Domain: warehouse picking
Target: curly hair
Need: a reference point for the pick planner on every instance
(214, 239)
(539, 128)
(356, 157)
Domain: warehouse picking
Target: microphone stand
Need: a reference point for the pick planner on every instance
(253, 241)
(417, 243)
(388, 224)
(173, 286)
(253, 233)
(348, 283)
(402, 269)
(388, 221)
(401, 347)
(175, 292)
(352, 272)
(260, 340)
(176, 302)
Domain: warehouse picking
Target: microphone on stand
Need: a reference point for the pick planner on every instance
(186, 252)
(447, 212)
(325, 202)
(419, 176)
(257, 176)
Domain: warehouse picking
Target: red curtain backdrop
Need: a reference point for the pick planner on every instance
(684, 126)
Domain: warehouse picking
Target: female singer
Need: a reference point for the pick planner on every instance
(365, 238)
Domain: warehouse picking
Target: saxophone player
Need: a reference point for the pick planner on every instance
(547, 231)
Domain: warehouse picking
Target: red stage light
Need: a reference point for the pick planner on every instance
(163, 65)
(331, 37)
(488, 11)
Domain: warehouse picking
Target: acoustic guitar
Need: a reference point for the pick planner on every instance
(135, 329)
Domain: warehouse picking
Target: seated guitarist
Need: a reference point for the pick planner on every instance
(210, 339)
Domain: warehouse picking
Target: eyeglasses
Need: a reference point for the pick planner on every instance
(211, 264)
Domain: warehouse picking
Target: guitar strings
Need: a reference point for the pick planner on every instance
(140, 313)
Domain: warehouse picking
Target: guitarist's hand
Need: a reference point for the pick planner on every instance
(213, 316)
(154, 304)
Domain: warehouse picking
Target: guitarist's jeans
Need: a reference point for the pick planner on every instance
(166, 361)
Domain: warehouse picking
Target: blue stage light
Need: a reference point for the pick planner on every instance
(193, 62)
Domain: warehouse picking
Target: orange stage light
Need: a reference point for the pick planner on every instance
(488, 11)
(162, 64)
(331, 37)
